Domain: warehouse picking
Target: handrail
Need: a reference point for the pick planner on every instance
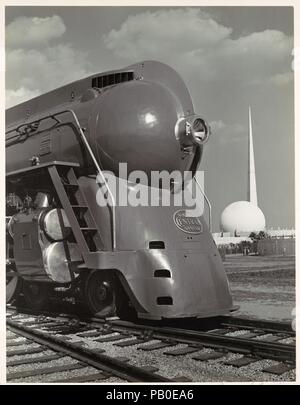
(208, 204)
(18, 131)
(86, 143)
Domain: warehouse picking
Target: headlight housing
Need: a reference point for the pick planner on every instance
(192, 130)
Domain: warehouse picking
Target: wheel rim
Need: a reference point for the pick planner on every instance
(99, 294)
(12, 286)
(34, 290)
(35, 294)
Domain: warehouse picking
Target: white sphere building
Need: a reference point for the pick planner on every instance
(242, 217)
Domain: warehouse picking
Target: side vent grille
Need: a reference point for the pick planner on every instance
(156, 244)
(164, 301)
(113, 78)
(162, 273)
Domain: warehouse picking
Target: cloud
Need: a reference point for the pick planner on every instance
(282, 79)
(49, 68)
(174, 30)
(32, 69)
(32, 31)
(18, 96)
(227, 132)
(217, 126)
(195, 43)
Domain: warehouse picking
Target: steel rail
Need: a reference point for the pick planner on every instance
(270, 350)
(266, 325)
(233, 321)
(93, 358)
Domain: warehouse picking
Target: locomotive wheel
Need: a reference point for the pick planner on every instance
(13, 285)
(99, 294)
(36, 295)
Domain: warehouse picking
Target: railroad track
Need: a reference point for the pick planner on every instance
(101, 367)
(236, 343)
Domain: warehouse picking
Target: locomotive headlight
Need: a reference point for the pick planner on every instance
(192, 130)
(199, 130)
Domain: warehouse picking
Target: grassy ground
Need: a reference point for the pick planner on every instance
(263, 287)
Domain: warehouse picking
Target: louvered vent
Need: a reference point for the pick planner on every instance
(114, 78)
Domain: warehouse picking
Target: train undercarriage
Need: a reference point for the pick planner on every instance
(43, 258)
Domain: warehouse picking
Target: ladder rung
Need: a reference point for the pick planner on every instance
(76, 208)
(70, 185)
(74, 261)
(81, 266)
(89, 229)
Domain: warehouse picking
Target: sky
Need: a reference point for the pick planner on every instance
(229, 58)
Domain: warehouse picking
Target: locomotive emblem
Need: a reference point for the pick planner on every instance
(187, 224)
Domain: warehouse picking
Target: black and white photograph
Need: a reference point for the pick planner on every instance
(150, 195)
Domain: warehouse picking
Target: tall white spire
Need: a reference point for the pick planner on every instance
(252, 192)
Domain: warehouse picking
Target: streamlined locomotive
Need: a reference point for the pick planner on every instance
(148, 259)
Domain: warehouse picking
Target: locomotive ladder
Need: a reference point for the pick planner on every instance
(74, 203)
(79, 212)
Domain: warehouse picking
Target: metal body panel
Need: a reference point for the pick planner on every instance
(137, 116)
(198, 284)
(27, 252)
(36, 256)
(137, 226)
(72, 93)
(57, 257)
(157, 72)
(121, 123)
(52, 224)
(62, 144)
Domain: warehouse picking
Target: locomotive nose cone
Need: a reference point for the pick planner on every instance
(136, 124)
